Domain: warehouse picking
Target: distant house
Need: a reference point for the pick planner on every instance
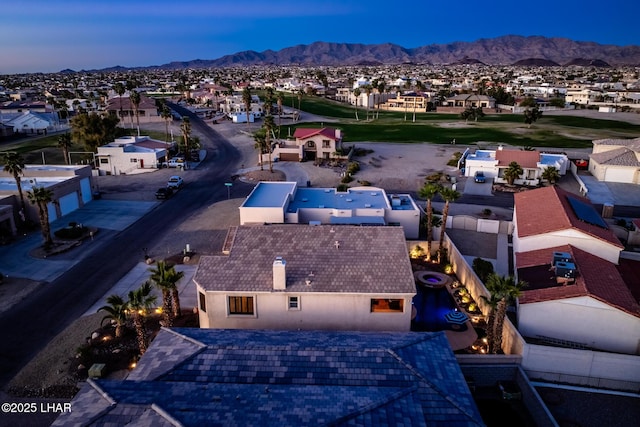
(464, 101)
(125, 111)
(193, 377)
(30, 122)
(288, 203)
(309, 144)
(411, 101)
(494, 162)
(129, 153)
(322, 277)
(616, 160)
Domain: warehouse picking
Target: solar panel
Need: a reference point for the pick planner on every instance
(586, 213)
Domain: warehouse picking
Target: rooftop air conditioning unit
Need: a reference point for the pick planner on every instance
(565, 271)
(560, 257)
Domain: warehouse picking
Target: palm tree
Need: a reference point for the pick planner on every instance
(140, 300)
(40, 197)
(268, 126)
(165, 113)
(512, 172)
(531, 116)
(505, 289)
(116, 309)
(120, 90)
(246, 98)
(260, 138)
(381, 86)
(64, 142)
(551, 174)
(165, 279)
(428, 192)
(368, 89)
(448, 195)
(356, 94)
(280, 100)
(300, 95)
(14, 164)
(492, 302)
(134, 97)
(185, 127)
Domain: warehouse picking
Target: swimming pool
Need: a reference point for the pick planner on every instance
(432, 305)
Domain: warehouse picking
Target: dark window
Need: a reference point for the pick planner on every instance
(294, 303)
(241, 305)
(203, 302)
(103, 160)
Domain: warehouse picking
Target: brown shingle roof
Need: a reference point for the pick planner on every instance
(526, 159)
(547, 209)
(618, 157)
(597, 278)
(366, 260)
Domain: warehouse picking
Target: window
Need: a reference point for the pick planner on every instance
(531, 174)
(104, 160)
(294, 303)
(241, 305)
(380, 305)
(311, 144)
(326, 143)
(203, 302)
(133, 160)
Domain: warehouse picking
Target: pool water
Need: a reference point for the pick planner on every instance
(432, 305)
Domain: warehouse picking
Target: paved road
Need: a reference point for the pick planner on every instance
(29, 326)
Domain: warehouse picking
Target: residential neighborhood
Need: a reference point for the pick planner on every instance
(313, 262)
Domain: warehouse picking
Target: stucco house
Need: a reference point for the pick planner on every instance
(577, 295)
(194, 377)
(122, 107)
(309, 144)
(323, 277)
(616, 160)
(128, 153)
(29, 122)
(288, 203)
(493, 163)
(463, 101)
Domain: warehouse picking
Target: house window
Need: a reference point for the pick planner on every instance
(104, 160)
(241, 305)
(203, 302)
(531, 174)
(133, 160)
(326, 143)
(294, 303)
(311, 144)
(381, 305)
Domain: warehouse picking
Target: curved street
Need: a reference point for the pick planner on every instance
(28, 326)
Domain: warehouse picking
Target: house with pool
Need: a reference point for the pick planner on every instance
(302, 277)
(493, 163)
(288, 203)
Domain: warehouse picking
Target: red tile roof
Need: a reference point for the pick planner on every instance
(547, 209)
(303, 133)
(596, 278)
(526, 159)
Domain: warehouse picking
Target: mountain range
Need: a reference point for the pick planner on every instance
(505, 50)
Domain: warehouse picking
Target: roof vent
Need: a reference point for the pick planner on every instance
(367, 205)
(336, 244)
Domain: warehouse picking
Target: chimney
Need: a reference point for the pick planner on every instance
(279, 274)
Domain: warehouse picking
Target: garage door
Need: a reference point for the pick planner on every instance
(289, 157)
(621, 174)
(69, 203)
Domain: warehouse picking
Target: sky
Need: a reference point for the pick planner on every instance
(46, 36)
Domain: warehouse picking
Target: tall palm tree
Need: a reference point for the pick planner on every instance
(64, 142)
(368, 89)
(381, 87)
(161, 276)
(300, 95)
(492, 302)
(40, 197)
(140, 301)
(14, 164)
(116, 309)
(505, 289)
(428, 192)
(280, 100)
(512, 172)
(185, 128)
(260, 138)
(134, 97)
(356, 93)
(448, 195)
(246, 98)
(165, 113)
(120, 89)
(268, 127)
(551, 174)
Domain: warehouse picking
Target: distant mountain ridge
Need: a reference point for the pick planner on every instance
(505, 50)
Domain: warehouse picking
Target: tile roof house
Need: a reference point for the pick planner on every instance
(493, 163)
(308, 277)
(194, 377)
(123, 108)
(128, 153)
(309, 144)
(616, 160)
(595, 307)
(550, 216)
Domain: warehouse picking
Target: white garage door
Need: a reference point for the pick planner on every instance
(69, 203)
(614, 174)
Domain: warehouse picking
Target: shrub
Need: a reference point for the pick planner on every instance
(482, 268)
(70, 232)
(342, 187)
(346, 179)
(353, 168)
(364, 183)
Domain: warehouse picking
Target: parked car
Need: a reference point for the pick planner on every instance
(479, 177)
(164, 193)
(174, 162)
(175, 182)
